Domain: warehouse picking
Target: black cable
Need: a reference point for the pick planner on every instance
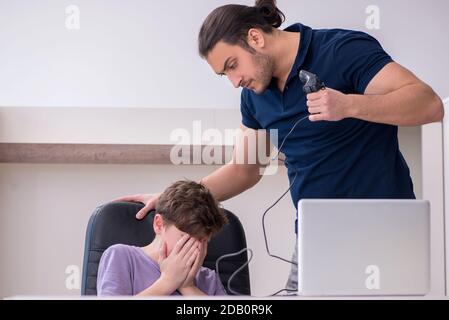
(291, 130)
(277, 292)
(236, 271)
(296, 174)
(263, 227)
(266, 211)
(263, 224)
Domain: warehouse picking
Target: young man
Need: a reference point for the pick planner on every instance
(186, 217)
(348, 147)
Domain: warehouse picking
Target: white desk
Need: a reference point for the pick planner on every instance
(230, 298)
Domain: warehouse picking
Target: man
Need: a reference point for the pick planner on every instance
(348, 146)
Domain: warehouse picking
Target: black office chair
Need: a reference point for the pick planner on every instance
(115, 223)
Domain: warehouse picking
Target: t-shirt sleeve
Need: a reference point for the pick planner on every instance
(360, 57)
(248, 119)
(114, 273)
(208, 281)
(219, 288)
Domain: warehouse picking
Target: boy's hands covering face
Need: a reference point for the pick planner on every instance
(202, 249)
(177, 266)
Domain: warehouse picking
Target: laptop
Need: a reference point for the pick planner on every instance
(363, 247)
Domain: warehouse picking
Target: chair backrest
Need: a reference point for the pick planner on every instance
(115, 223)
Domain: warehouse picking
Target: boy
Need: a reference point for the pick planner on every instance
(186, 217)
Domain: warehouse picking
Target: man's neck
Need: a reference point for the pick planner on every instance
(284, 54)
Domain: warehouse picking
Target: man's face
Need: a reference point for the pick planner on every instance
(243, 68)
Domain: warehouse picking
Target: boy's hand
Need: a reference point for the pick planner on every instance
(176, 266)
(149, 200)
(190, 280)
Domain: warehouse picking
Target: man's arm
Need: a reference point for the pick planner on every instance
(394, 96)
(229, 180)
(240, 173)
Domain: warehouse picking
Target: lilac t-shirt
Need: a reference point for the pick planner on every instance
(127, 270)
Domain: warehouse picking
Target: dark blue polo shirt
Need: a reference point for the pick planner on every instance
(346, 159)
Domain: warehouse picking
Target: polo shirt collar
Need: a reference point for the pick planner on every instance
(306, 37)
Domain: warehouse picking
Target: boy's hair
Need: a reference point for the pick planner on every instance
(231, 23)
(191, 208)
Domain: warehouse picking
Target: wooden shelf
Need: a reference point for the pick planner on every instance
(96, 153)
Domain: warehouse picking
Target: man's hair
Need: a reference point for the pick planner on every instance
(191, 208)
(231, 23)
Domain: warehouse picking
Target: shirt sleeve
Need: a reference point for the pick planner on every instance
(248, 119)
(219, 288)
(114, 273)
(360, 57)
(209, 282)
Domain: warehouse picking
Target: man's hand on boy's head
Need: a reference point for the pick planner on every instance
(176, 266)
(149, 200)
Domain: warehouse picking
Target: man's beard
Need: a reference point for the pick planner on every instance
(264, 70)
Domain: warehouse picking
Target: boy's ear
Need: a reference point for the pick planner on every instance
(158, 223)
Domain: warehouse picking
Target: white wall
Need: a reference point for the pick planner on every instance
(142, 54)
(136, 53)
(44, 208)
